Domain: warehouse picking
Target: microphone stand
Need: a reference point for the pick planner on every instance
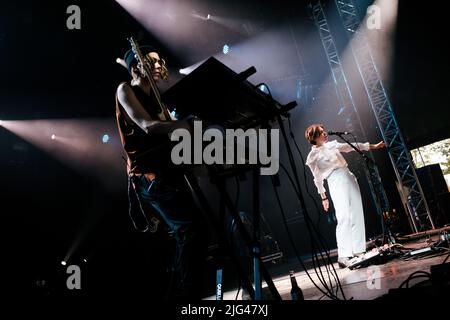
(368, 163)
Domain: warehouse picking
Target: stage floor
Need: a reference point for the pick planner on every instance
(366, 282)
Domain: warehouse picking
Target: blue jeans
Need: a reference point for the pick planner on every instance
(168, 198)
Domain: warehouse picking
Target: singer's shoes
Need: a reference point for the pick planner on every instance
(344, 262)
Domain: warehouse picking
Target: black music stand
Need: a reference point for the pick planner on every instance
(219, 96)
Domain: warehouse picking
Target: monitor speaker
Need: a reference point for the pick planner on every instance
(436, 193)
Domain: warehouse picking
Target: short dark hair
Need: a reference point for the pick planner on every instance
(313, 132)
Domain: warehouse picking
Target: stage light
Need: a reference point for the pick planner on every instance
(191, 68)
(53, 137)
(85, 260)
(63, 263)
(263, 88)
(226, 48)
(121, 62)
(105, 138)
(200, 16)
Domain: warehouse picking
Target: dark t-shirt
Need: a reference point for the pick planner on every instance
(146, 152)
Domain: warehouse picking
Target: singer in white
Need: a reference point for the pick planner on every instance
(326, 162)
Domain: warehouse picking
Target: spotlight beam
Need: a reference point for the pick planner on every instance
(76, 143)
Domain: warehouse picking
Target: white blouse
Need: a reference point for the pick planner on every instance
(326, 158)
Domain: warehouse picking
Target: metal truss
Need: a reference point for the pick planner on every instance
(347, 105)
(409, 185)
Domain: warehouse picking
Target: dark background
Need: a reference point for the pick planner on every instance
(50, 72)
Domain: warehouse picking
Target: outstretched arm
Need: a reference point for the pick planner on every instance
(345, 147)
(378, 145)
(137, 113)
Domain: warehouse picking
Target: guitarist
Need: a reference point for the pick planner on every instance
(157, 192)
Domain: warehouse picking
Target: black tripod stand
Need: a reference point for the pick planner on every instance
(252, 242)
(238, 104)
(381, 203)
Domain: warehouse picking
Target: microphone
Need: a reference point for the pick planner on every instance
(337, 133)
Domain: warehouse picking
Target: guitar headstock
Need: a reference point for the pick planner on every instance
(136, 50)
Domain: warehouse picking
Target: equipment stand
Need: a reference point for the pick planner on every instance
(253, 244)
(386, 232)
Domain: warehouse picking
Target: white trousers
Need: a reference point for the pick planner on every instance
(346, 196)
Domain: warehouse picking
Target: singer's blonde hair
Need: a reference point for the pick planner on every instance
(313, 132)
